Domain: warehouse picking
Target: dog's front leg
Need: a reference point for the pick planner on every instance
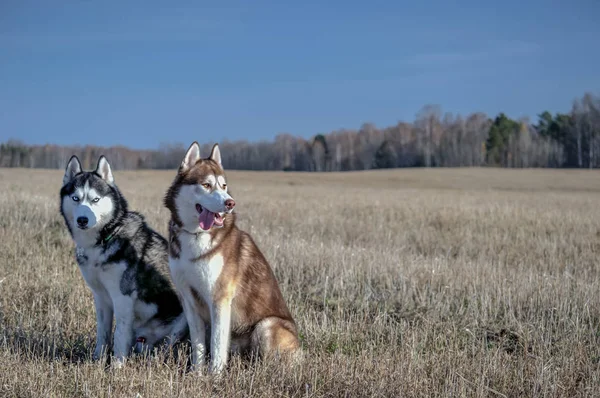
(104, 322)
(220, 335)
(197, 330)
(123, 340)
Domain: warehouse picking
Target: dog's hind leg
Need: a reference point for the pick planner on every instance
(276, 337)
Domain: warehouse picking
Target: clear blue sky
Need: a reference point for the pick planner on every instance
(139, 73)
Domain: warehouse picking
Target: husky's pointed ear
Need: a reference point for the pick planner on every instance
(191, 157)
(73, 168)
(215, 154)
(104, 171)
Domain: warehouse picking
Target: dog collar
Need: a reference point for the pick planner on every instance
(110, 237)
(176, 229)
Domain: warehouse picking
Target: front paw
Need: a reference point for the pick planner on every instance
(198, 368)
(216, 368)
(99, 353)
(117, 363)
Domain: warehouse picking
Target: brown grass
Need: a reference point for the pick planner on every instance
(464, 282)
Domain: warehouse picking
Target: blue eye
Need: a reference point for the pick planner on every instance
(96, 200)
(75, 198)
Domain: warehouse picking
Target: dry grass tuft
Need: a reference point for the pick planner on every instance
(424, 283)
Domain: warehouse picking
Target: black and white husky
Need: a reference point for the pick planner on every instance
(123, 261)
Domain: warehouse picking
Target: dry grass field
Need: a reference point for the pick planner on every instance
(468, 282)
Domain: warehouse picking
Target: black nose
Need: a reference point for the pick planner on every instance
(82, 221)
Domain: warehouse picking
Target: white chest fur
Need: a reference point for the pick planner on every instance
(193, 270)
(99, 275)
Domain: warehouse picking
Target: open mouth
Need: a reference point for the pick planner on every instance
(207, 218)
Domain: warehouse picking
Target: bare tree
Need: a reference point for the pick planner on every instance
(428, 124)
(563, 140)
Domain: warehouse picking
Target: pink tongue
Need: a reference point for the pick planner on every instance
(207, 219)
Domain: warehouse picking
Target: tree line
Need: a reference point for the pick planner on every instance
(434, 139)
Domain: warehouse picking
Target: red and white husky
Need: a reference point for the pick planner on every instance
(221, 276)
